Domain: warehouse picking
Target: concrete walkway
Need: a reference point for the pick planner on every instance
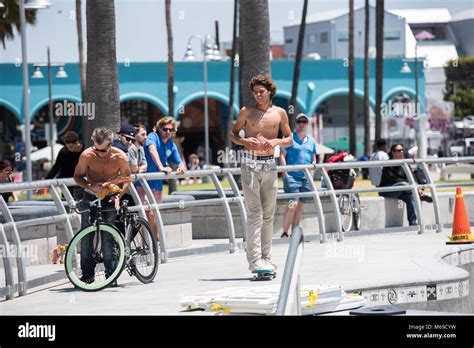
(357, 263)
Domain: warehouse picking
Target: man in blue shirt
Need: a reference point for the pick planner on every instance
(160, 150)
(303, 151)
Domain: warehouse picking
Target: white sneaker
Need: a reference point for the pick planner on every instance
(271, 266)
(258, 265)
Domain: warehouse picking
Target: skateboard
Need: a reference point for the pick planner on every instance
(263, 274)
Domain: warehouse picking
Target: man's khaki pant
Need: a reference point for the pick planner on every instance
(260, 184)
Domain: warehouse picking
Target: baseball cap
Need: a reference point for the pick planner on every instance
(300, 116)
(128, 131)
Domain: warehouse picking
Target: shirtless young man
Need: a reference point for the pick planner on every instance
(97, 165)
(257, 130)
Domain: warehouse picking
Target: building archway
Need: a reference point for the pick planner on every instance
(10, 136)
(136, 109)
(191, 127)
(332, 110)
(66, 115)
(282, 99)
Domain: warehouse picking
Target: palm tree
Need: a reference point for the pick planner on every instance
(367, 149)
(230, 119)
(10, 17)
(170, 58)
(240, 41)
(352, 119)
(255, 19)
(102, 87)
(80, 45)
(172, 182)
(297, 69)
(379, 26)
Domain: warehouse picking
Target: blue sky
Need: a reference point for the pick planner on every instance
(141, 30)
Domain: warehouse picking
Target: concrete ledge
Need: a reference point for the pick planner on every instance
(447, 288)
(380, 213)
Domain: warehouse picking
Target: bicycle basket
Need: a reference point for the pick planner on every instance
(341, 179)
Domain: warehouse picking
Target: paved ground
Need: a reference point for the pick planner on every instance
(358, 262)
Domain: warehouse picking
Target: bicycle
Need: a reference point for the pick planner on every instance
(135, 249)
(349, 204)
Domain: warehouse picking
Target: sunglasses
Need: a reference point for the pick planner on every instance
(129, 139)
(169, 130)
(104, 150)
(398, 150)
(301, 121)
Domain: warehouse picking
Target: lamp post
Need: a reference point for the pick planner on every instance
(422, 151)
(61, 74)
(27, 4)
(208, 54)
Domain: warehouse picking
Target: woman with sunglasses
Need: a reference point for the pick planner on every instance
(160, 151)
(395, 176)
(5, 177)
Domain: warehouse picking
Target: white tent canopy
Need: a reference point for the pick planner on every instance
(323, 150)
(45, 153)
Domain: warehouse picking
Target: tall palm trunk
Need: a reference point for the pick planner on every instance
(102, 87)
(352, 118)
(82, 66)
(297, 69)
(80, 45)
(367, 149)
(170, 59)
(230, 119)
(172, 183)
(241, 59)
(255, 19)
(379, 67)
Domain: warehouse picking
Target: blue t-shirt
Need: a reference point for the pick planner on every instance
(301, 152)
(168, 153)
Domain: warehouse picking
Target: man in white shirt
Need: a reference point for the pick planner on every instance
(380, 154)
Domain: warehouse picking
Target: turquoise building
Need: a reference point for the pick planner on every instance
(322, 93)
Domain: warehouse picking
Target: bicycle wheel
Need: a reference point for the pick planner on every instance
(345, 208)
(110, 240)
(143, 252)
(357, 211)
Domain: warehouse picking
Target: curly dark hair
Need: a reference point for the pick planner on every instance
(265, 81)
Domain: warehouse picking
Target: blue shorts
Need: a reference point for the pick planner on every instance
(154, 184)
(295, 185)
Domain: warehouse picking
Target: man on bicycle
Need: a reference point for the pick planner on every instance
(97, 165)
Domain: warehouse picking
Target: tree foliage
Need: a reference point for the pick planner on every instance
(10, 18)
(460, 85)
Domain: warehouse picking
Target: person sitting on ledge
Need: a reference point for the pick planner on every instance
(395, 176)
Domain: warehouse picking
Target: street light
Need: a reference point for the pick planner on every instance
(421, 124)
(61, 74)
(29, 4)
(208, 54)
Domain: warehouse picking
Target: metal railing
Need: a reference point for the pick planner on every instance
(57, 186)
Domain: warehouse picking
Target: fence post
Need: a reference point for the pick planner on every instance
(240, 203)
(319, 206)
(227, 212)
(7, 265)
(22, 284)
(158, 219)
(335, 205)
(434, 194)
(414, 188)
